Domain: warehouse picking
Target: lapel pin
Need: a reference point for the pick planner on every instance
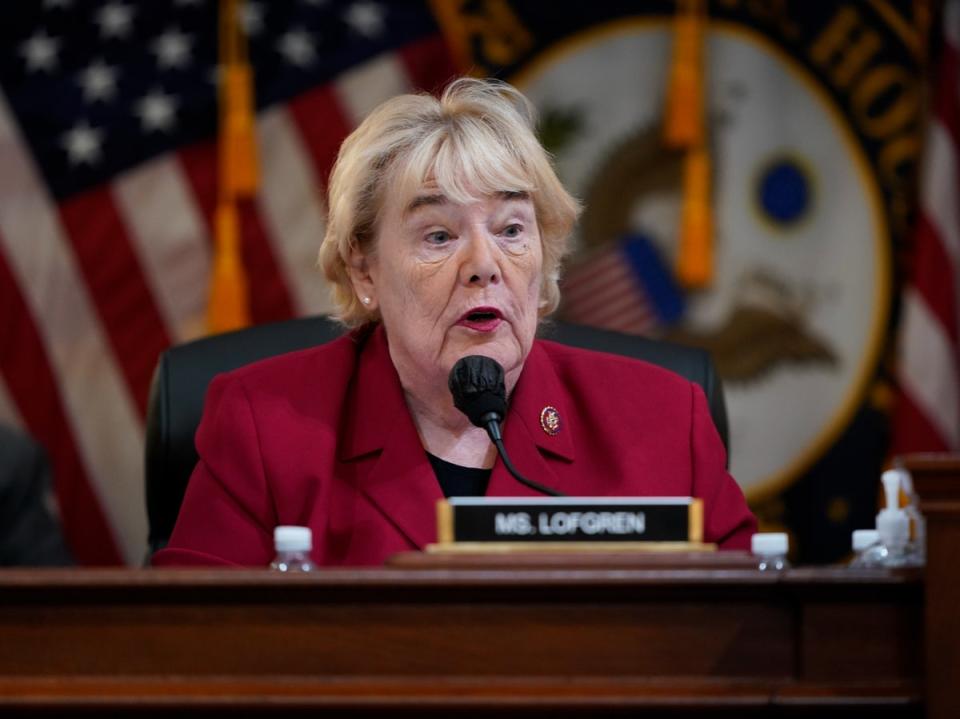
(550, 420)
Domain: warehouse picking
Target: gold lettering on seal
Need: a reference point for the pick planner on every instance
(483, 34)
(845, 47)
(885, 101)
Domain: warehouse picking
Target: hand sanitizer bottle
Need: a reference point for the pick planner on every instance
(893, 524)
(917, 545)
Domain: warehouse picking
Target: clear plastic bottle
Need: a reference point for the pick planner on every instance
(770, 549)
(916, 552)
(868, 550)
(893, 524)
(293, 545)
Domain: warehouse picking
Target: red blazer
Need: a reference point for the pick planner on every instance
(323, 438)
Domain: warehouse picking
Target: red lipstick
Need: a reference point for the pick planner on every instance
(481, 319)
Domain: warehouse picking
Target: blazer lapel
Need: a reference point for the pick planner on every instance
(380, 433)
(400, 481)
(533, 449)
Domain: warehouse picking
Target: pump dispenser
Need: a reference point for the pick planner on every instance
(893, 524)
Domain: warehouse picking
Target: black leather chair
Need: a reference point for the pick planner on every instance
(183, 373)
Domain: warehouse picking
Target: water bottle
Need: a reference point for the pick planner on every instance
(293, 545)
(770, 549)
(868, 550)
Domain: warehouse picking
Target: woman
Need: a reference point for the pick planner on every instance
(446, 229)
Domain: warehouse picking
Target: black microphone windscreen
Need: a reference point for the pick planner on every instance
(477, 386)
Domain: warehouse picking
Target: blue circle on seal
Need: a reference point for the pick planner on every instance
(784, 191)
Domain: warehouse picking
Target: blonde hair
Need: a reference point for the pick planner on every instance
(474, 141)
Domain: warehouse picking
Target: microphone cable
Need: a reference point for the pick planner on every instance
(478, 389)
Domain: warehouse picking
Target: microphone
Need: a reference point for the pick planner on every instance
(476, 383)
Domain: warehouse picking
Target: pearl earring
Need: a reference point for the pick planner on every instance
(365, 300)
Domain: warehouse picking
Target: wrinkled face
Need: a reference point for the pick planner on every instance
(452, 280)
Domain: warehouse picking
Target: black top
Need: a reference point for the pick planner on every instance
(458, 481)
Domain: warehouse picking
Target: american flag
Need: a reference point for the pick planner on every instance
(928, 411)
(108, 183)
(624, 287)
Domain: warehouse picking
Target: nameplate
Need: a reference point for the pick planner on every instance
(569, 519)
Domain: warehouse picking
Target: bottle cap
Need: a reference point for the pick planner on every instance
(292, 539)
(863, 538)
(768, 544)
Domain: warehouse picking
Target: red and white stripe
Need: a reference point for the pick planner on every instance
(928, 411)
(171, 242)
(60, 368)
(603, 291)
(94, 288)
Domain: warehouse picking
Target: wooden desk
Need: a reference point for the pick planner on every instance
(937, 480)
(614, 636)
(552, 637)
